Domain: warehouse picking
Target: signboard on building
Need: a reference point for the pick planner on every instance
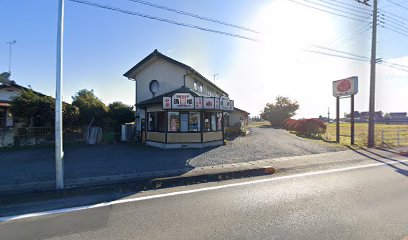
(209, 103)
(198, 102)
(182, 101)
(345, 87)
(166, 102)
(225, 103)
(187, 101)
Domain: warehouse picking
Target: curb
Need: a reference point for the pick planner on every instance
(126, 183)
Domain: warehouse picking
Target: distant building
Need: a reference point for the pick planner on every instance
(8, 90)
(365, 115)
(398, 115)
(235, 121)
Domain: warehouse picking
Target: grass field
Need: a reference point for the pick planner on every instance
(361, 133)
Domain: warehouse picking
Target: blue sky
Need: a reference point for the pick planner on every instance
(101, 45)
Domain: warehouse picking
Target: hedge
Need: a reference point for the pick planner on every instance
(307, 127)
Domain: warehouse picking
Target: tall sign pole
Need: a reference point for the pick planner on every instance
(371, 123)
(59, 153)
(347, 87)
(337, 119)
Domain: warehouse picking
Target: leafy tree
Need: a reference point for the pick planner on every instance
(119, 113)
(90, 107)
(33, 109)
(276, 113)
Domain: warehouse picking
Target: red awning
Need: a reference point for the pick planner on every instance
(5, 104)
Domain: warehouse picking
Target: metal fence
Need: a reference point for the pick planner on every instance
(394, 138)
(38, 135)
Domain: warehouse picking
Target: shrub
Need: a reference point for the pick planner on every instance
(305, 127)
(290, 124)
(311, 127)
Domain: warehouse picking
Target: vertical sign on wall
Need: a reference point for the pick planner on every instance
(198, 102)
(217, 103)
(166, 102)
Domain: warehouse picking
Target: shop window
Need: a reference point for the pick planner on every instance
(173, 121)
(184, 122)
(194, 122)
(211, 121)
(156, 121)
(219, 121)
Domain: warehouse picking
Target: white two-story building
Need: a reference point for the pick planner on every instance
(176, 106)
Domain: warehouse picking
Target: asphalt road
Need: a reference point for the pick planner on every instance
(84, 161)
(366, 203)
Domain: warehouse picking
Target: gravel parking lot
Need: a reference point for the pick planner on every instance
(81, 161)
(262, 143)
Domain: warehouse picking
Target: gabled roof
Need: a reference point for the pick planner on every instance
(15, 85)
(240, 110)
(159, 99)
(156, 53)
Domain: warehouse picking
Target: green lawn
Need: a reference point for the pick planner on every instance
(361, 133)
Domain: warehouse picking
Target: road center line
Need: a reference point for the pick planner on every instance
(137, 199)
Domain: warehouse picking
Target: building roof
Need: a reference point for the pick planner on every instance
(4, 104)
(156, 53)
(240, 110)
(15, 85)
(398, 113)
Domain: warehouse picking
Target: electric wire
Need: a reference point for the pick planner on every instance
(326, 11)
(192, 15)
(346, 8)
(163, 19)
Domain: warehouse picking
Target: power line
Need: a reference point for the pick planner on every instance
(356, 34)
(343, 33)
(336, 55)
(398, 23)
(347, 8)
(163, 19)
(333, 8)
(394, 15)
(351, 5)
(333, 13)
(397, 4)
(338, 51)
(392, 28)
(193, 15)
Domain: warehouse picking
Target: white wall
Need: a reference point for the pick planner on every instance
(170, 78)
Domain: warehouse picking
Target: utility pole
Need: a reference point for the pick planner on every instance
(59, 153)
(328, 115)
(371, 123)
(10, 52)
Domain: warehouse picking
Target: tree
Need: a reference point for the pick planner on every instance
(276, 113)
(120, 113)
(35, 110)
(91, 108)
(32, 110)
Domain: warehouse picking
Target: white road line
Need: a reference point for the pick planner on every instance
(137, 199)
